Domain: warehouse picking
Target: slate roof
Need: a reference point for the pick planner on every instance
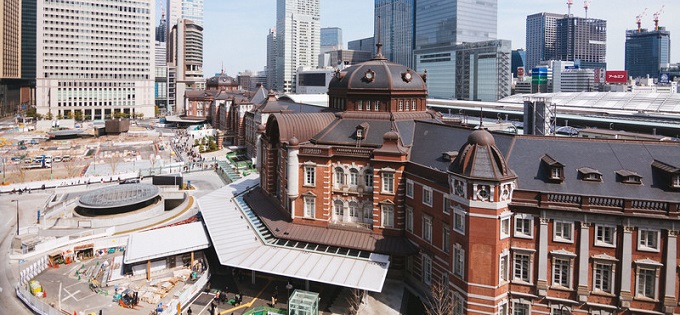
(606, 156)
(388, 76)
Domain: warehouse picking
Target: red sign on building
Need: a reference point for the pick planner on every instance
(618, 76)
(520, 72)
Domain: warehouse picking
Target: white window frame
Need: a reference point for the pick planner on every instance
(339, 177)
(644, 240)
(559, 227)
(427, 196)
(517, 304)
(605, 235)
(353, 208)
(518, 267)
(446, 201)
(409, 188)
(459, 261)
(605, 286)
(524, 226)
(427, 269)
(360, 105)
(504, 226)
(368, 177)
(310, 175)
(409, 219)
(310, 207)
(503, 308)
(559, 282)
(446, 238)
(353, 176)
(675, 181)
(504, 268)
(639, 282)
(427, 228)
(387, 215)
(338, 212)
(387, 182)
(459, 216)
(458, 304)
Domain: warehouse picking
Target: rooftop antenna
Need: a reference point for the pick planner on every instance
(639, 19)
(586, 3)
(569, 3)
(481, 122)
(656, 18)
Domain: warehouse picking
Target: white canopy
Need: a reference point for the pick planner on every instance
(238, 245)
(163, 242)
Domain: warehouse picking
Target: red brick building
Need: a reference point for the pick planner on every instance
(509, 224)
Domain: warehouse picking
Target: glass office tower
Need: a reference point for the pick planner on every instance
(647, 52)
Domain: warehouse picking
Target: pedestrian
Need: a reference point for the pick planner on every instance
(189, 312)
(275, 296)
(217, 295)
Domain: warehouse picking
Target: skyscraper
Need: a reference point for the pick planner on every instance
(541, 34)
(582, 40)
(88, 61)
(647, 52)
(271, 59)
(10, 39)
(397, 24)
(186, 49)
(28, 33)
(185, 9)
(364, 44)
(331, 39)
(440, 26)
(298, 39)
(162, 30)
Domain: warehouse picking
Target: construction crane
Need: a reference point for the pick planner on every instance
(639, 19)
(569, 3)
(586, 3)
(656, 18)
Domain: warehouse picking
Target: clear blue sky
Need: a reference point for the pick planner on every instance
(235, 30)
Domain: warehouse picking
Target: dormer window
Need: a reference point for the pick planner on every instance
(449, 155)
(667, 173)
(629, 177)
(360, 131)
(555, 169)
(589, 174)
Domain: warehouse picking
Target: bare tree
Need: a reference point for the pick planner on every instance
(440, 301)
(20, 172)
(354, 300)
(114, 159)
(70, 165)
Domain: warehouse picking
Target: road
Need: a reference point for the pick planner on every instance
(9, 303)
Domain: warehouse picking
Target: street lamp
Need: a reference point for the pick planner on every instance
(17, 201)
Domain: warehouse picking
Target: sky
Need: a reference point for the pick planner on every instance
(235, 31)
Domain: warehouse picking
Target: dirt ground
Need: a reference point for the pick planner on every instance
(109, 150)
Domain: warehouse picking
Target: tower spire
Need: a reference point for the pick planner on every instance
(378, 54)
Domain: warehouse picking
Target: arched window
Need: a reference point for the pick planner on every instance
(338, 209)
(353, 209)
(353, 176)
(339, 177)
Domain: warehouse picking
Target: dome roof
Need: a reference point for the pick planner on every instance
(479, 158)
(221, 79)
(378, 74)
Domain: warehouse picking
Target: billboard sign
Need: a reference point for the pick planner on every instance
(520, 72)
(664, 78)
(616, 76)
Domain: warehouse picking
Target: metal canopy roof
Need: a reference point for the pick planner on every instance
(239, 242)
(118, 196)
(152, 244)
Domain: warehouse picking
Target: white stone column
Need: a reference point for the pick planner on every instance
(542, 283)
(626, 267)
(583, 257)
(669, 301)
(293, 171)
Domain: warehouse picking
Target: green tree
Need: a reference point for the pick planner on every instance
(60, 116)
(49, 116)
(69, 115)
(78, 115)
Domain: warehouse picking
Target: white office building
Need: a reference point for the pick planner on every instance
(184, 9)
(96, 57)
(298, 38)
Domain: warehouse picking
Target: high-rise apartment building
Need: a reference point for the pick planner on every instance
(582, 40)
(298, 39)
(271, 60)
(647, 52)
(331, 39)
(396, 26)
(440, 26)
(96, 58)
(186, 50)
(541, 35)
(10, 39)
